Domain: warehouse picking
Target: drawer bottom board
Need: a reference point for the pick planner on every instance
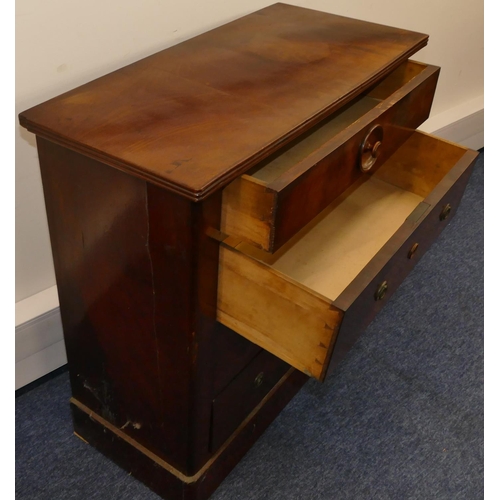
(327, 255)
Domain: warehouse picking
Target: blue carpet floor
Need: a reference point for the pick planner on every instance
(401, 418)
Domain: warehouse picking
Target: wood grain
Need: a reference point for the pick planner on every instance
(290, 189)
(158, 475)
(248, 211)
(279, 164)
(401, 75)
(243, 394)
(137, 281)
(274, 312)
(327, 255)
(277, 300)
(238, 353)
(391, 263)
(168, 320)
(421, 164)
(242, 91)
(98, 222)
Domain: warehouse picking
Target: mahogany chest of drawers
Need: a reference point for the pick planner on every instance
(226, 217)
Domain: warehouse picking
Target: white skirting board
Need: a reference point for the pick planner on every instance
(463, 124)
(39, 334)
(39, 337)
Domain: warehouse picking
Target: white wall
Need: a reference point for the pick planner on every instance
(61, 44)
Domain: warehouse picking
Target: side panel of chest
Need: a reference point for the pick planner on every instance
(137, 282)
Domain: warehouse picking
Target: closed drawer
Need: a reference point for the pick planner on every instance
(269, 205)
(234, 353)
(243, 394)
(308, 302)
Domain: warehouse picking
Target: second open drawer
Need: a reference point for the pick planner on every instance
(308, 302)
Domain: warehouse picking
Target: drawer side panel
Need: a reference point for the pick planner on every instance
(248, 209)
(276, 313)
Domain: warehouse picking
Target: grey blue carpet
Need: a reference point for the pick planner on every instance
(401, 418)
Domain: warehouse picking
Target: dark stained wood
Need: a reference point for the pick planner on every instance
(137, 280)
(392, 264)
(160, 476)
(269, 214)
(124, 454)
(98, 221)
(300, 200)
(133, 167)
(240, 352)
(243, 90)
(184, 264)
(243, 394)
(254, 426)
(137, 286)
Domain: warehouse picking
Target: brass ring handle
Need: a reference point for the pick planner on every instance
(376, 149)
(412, 250)
(445, 212)
(371, 148)
(381, 291)
(259, 379)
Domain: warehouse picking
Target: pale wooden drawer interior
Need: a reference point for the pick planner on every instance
(285, 302)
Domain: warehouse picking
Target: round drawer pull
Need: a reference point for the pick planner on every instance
(370, 148)
(445, 212)
(412, 250)
(381, 291)
(259, 379)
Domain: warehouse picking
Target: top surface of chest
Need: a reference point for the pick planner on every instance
(194, 116)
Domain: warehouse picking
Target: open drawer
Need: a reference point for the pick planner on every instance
(271, 203)
(308, 302)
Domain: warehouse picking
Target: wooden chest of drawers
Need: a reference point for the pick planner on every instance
(226, 217)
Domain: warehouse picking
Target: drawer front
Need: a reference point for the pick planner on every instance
(312, 331)
(234, 353)
(268, 214)
(243, 394)
(371, 290)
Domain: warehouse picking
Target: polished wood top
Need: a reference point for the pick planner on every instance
(194, 116)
